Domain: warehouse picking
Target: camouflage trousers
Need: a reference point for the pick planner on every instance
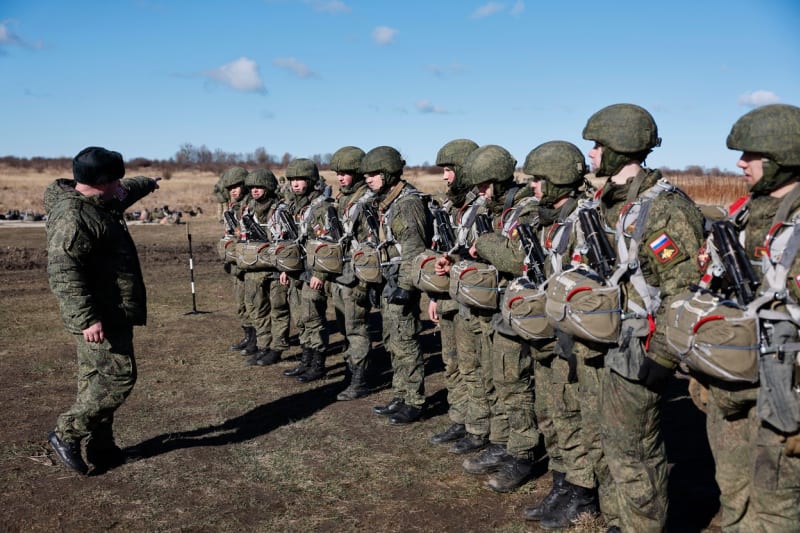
(239, 297)
(589, 372)
(759, 484)
(106, 376)
(558, 413)
(456, 388)
(512, 374)
(401, 327)
(267, 309)
(307, 307)
(352, 309)
(630, 418)
(483, 414)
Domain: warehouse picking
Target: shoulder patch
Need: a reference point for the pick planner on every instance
(664, 248)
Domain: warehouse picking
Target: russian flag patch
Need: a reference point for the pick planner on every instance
(664, 248)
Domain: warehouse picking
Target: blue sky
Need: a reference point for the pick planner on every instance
(308, 76)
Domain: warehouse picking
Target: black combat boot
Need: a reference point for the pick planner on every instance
(316, 369)
(489, 460)
(469, 443)
(305, 362)
(581, 500)
(69, 453)
(406, 414)
(268, 357)
(104, 455)
(249, 333)
(512, 474)
(357, 387)
(453, 433)
(558, 494)
(252, 344)
(390, 408)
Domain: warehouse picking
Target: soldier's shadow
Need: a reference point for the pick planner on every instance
(254, 423)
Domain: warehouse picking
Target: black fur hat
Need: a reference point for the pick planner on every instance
(95, 165)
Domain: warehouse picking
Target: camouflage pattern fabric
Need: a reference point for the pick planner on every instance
(454, 382)
(258, 287)
(474, 347)
(94, 272)
(629, 412)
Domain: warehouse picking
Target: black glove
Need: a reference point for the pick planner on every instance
(399, 296)
(654, 376)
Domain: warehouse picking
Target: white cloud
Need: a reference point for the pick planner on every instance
(758, 98)
(426, 106)
(517, 8)
(329, 6)
(241, 75)
(487, 10)
(384, 35)
(9, 38)
(292, 64)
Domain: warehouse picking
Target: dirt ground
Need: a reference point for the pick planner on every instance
(227, 447)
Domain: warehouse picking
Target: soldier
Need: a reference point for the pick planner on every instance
(233, 181)
(265, 298)
(442, 308)
(405, 231)
(638, 367)
(753, 427)
(512, 457)
(94, 272)
(558, 169)
(307, 293)
(349, 294)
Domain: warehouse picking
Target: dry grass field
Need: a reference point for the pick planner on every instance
(227, 447)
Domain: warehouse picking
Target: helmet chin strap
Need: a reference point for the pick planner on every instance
(773, 177)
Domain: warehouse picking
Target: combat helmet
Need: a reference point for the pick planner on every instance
(773, 131)
(303, 169)
(234, 177)
(264, 178)
(347, 160)
(560, 165)
(625, 128)
(454, 153)
(386, 161)
(489, 163)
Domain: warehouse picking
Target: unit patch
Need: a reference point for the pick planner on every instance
(664, 248)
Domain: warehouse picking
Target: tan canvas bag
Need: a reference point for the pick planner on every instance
(226, 249)
(367, 264)
(325, 256)
(523, 308)
(287, 256)
(424, 277)
(253, 256)
(578, 304)
(474, 284)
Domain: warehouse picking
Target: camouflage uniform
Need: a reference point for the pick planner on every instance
(94, 271)
(629, 404)
(518, 440)
(221, 196)
(349, 294)
(405, 231)
(265, 297)
(307, 306)
(757, 470)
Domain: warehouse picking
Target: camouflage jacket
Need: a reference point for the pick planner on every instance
(672, 236)
(309, 213)
(92, 261)
(405, 228)
(505, 251)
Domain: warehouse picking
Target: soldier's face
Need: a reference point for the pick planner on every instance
(595, 155)
(299, 186)
(448, 175)
(344, 179)
(257, 192)
(374, 181)
(752, 165)
(536, 186)
(236, 193)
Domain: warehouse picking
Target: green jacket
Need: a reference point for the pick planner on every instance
(92, 263)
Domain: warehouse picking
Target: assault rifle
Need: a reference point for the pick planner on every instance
(230, 222)
(601, 253)
(254, 229)
(534, 254)
(373, 224)
(445, 239)
(288, 225)
(738, 269)
(483, 224)
(333, 224)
